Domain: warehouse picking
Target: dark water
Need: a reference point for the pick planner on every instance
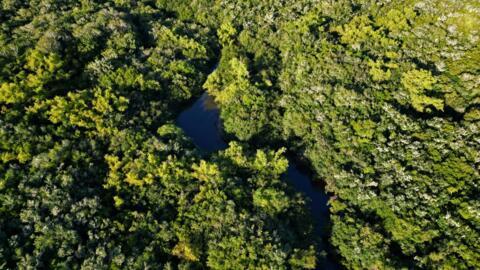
(302, 182)
(201, 123)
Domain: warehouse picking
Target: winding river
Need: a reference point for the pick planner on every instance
(201, 123)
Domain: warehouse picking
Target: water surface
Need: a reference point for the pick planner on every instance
(201, 123)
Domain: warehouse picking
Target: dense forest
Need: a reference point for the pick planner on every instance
(380, 98)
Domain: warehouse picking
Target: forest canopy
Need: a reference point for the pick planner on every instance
(380, 98)
(94, 174)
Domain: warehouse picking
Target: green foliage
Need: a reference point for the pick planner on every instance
(244, 111)
(418, 83)
(270, 200)
(226, 34)
(381, 97)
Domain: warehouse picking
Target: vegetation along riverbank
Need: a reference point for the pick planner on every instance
(380, 99)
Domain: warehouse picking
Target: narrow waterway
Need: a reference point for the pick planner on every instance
(201, 123)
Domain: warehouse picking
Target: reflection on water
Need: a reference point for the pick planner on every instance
(209, 102)
(201, 123)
